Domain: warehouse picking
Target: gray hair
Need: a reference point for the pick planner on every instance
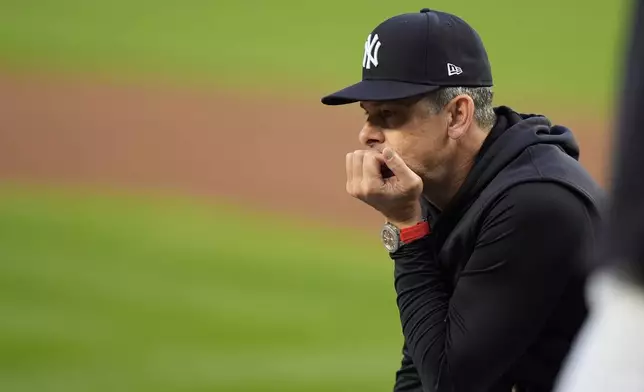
(482, 97)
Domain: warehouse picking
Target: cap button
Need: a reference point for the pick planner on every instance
(425, 10)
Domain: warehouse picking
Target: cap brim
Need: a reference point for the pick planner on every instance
(377, 90)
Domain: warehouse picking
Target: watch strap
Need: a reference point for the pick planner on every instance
(412, 233)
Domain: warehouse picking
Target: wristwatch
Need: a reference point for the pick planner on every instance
(393, 238)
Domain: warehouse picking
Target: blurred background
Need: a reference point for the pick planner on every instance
(172, 207)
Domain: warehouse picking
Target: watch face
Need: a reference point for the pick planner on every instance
(390, 238)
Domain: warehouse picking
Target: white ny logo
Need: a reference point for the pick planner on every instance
(371, 48)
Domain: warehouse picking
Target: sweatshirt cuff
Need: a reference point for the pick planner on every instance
(413, 249)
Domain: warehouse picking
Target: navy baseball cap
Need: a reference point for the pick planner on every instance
(417, 53)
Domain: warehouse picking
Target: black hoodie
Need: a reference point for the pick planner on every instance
(492, 299)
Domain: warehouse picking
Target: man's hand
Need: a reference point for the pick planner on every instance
(396, 197)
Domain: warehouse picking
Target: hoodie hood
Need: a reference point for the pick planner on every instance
(524, 130)
(513, 133)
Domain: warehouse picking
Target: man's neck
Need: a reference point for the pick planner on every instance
(440, 193)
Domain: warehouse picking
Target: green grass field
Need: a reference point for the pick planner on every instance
(123, 293)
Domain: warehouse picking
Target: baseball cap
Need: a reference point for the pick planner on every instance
(417, 53)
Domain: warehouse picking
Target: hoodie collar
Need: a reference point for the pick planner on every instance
(512, 133)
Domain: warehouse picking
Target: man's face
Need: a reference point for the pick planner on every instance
(408, 127)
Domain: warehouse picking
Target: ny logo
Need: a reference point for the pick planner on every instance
(371, 48)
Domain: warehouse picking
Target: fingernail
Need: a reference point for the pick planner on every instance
(388, 153)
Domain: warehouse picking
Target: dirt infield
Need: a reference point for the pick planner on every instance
(286, 155)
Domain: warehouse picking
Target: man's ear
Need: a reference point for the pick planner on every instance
(461, 110)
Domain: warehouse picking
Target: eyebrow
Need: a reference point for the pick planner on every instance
(401, 103)
(378, 104)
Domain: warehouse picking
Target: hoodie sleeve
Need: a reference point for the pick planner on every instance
(465, 339)
(407, 379)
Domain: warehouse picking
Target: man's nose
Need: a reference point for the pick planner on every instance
(370, 135)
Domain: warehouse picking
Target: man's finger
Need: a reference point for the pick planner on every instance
(356, 167)
(395, 163)
(371, 168)
(349, 167)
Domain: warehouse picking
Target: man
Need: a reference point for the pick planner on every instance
(609, 354)
(487, 211)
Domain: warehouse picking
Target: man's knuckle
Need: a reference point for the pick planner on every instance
(364, 188)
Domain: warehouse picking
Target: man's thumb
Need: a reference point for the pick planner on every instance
(396, 164)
